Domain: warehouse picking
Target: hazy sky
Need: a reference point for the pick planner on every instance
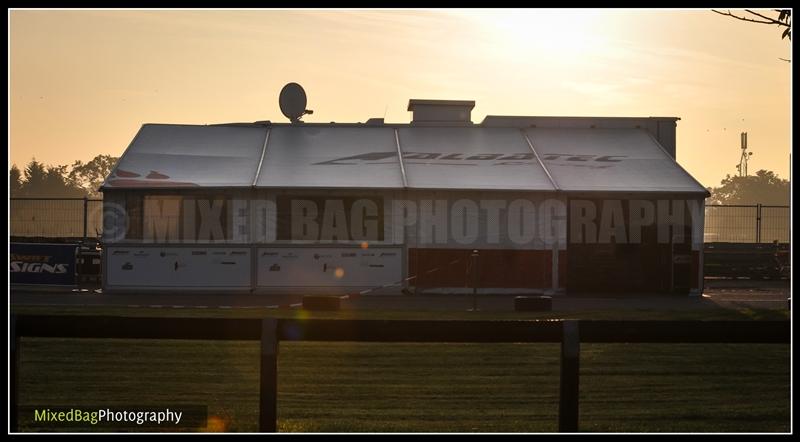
(83, 82)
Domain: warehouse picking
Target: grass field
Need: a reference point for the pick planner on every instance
(373, 387)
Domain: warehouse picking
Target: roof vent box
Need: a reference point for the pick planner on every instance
(456, 112)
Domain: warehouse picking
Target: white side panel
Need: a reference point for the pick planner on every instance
(328, 266)
(199, 267)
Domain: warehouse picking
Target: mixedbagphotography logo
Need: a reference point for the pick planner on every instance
(520, 222)
(104, 417)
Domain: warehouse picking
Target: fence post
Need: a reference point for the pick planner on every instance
(758, 223)
(475, 275)
(268, 397)
(568, 394)
(85, 217)
(14, 375)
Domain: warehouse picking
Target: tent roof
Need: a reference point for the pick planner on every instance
(398, 157)
(170, 156)
(609, 160)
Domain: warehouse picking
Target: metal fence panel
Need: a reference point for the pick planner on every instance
(730, 224)
(55, 217)
(775, 224)
(747, 224)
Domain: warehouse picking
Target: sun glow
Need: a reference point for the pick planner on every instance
(562, 35)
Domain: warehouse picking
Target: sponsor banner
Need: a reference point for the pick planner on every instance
(43, 264)
(329, 266)
(201, 267)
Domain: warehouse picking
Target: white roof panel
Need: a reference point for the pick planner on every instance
(166, 156)
(343, 157)
(609, 160)
(470, 158)
(360, 156)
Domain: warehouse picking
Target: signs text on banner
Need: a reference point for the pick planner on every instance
(42, 264)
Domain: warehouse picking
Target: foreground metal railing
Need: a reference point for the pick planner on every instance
(270, 331)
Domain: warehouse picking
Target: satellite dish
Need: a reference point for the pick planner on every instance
(293, 102)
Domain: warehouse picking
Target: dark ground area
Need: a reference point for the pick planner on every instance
(735, 294)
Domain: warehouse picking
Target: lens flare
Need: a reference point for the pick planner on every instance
(216, 424)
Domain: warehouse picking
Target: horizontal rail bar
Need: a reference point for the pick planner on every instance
(419, 331)
(51, 199)
(732, 205)
(727, 332)
(592, 331)
(57, 326)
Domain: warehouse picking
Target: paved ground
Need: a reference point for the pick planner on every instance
(718, 294)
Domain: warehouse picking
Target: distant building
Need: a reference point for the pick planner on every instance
(553, 203)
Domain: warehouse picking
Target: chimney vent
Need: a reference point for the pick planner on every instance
(441, 112)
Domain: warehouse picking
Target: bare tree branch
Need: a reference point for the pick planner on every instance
(770, 22)
(784, 19)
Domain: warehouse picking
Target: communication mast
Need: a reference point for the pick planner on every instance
(742, 166)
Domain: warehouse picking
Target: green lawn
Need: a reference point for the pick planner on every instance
(373, 387)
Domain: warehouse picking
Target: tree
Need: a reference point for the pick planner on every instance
(765, 187)
(57, 184)
(77, 180)
(91, 175)
(43, 181)
(35, 176)
(14, 180)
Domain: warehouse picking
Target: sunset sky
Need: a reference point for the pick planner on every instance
(83, 82)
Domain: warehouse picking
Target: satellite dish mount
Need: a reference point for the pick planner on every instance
(293, 102)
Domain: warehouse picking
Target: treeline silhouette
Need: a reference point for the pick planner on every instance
(765, 187)
(77, 180)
